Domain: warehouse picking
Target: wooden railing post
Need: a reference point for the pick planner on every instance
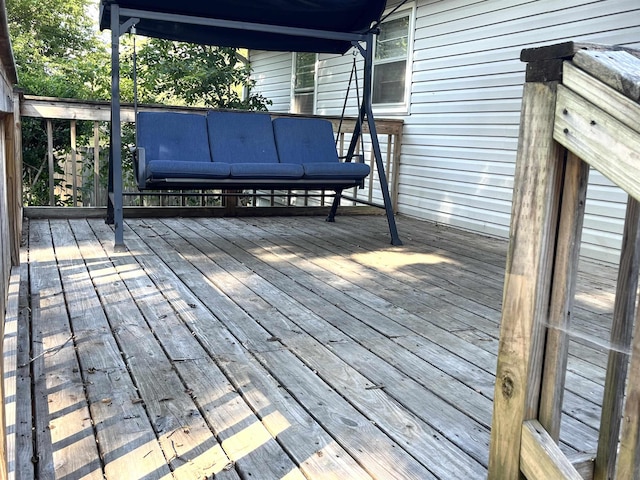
(14, 177)
(527, 283)
(568, 125)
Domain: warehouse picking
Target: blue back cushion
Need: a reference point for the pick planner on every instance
(239, 137)
(305, 140)
(173, 136)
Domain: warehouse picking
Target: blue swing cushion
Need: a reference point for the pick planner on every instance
(310, 142)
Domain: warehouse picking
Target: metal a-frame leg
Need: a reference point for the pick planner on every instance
(366, 111)
(115, 212)
(334, 207)
(384, 185)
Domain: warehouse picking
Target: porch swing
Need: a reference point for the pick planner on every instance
(193, 151)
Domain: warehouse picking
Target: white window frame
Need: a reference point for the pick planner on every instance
(403, 106)
(293, 83)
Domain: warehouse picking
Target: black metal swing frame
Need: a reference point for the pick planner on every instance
(120, 20)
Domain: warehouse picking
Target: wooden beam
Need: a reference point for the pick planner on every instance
(576, 179)
(13, 146)
(537, 186)
(629, 457)
(70, 109)
(599, 139)
(541, 457)
(52, 198)
(618, 69)
(583, 463)
(601, 96)
(621, 329)
(214, 212)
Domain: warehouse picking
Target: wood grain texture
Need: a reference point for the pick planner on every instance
(325, 345)
(125, 435)
(527, 282)
(601, 95)
(599, 139)
(541, 459)
(621, 338)
(576, 178)
(629, 455)
(618, 69)
(10, 366)
(63, 428)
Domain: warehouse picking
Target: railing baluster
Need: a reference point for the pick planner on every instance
(52, 195)
(74, 165)
(96, 164)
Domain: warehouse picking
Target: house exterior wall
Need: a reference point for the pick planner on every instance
(461, 127)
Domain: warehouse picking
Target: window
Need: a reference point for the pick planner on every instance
(304, 83)
(390, 64)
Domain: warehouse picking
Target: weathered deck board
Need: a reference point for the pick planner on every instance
(279, 348)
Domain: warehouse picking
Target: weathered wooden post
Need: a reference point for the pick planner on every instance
(570, 120)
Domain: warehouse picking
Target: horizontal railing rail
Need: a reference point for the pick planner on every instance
(83, 183)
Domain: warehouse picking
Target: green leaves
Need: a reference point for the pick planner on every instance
(196, 75)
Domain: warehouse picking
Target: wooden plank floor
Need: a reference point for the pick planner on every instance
(272, 348)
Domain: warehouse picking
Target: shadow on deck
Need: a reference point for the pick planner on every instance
(273, 348)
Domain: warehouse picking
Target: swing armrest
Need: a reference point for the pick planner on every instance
(358, 158)
(140, 163)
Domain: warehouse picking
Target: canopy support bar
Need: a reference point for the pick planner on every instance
(236, 25)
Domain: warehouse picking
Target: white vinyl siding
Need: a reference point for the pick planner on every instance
(272, 73)
(460, 141)
(461, 133)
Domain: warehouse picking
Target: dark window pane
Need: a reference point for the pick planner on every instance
(303, 103)
(389, 82)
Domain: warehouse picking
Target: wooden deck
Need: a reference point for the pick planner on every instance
(273, 348)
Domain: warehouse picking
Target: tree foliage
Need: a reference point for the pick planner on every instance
(60, 53)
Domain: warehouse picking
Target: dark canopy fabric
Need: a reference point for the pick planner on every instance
(342, 16)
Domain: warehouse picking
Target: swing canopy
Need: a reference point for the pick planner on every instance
(323, 26)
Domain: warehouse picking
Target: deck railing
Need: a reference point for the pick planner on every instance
(580, 110)
(77, 173)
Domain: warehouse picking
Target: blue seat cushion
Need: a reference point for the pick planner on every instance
(338, 171)
(267, 170)
(305, 140)
(160, 169)
(241, 137)
(179, 137)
